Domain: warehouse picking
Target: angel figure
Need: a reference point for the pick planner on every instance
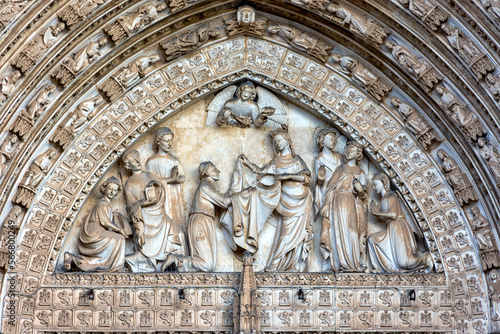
(242, 111)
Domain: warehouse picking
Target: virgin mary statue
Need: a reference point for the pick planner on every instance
(282, 185)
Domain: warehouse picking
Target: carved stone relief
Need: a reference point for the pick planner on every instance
(131, 22)
(95, 138)
(37, 47)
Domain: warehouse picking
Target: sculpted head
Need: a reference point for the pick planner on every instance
(494, 275)
(102, 41)
(111, 187)
(273, 29)
(281, 139)
(327, 138)
(247, 91)
(447, 28)
(132, 160)
(490, 79)
(475, 211)
(58, 28)
(442, 154)
(15, 76)
(390, 45)
(353, 150)
(208, 169)
(246, 15)
(163, 138)
(381, 182)
(51, 152)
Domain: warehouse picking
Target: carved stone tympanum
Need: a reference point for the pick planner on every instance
(101, 242)
(343, 229)
(394, 249)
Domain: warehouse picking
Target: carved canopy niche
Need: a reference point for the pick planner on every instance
(69, 122)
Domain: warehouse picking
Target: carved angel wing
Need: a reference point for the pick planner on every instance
(266, 99)
(217, 104)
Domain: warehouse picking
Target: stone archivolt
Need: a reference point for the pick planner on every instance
(318, 86)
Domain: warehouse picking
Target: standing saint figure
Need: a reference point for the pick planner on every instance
(201, 228)
(343, 230)
(170, 173)
(156, 234)
(292, 244)
(325, 164)
(101, 242)
(393, 250)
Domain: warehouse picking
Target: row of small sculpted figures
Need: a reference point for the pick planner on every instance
(282, 186)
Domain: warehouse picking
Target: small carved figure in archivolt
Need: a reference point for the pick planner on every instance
(493, 7)
(34, 176)
(394, 249)
(362, 76)
(493, 83)
(101, 245)
(479, 63)
(415, 123)
(469, 123)
(36, 48)
(302, 40)
(8, 232)
(78, 11)
(127, 24)
(242, 110)
(7, 150)
(458, 180)
(26, 120)
(72, 66)
(9, 9)
(481, 229)
(494, 293)
(365, 27)
(491, 156)
(424, 73)
(127, 76)
(427, 11)
(189, 41)
(75, 121)
(7, 84)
